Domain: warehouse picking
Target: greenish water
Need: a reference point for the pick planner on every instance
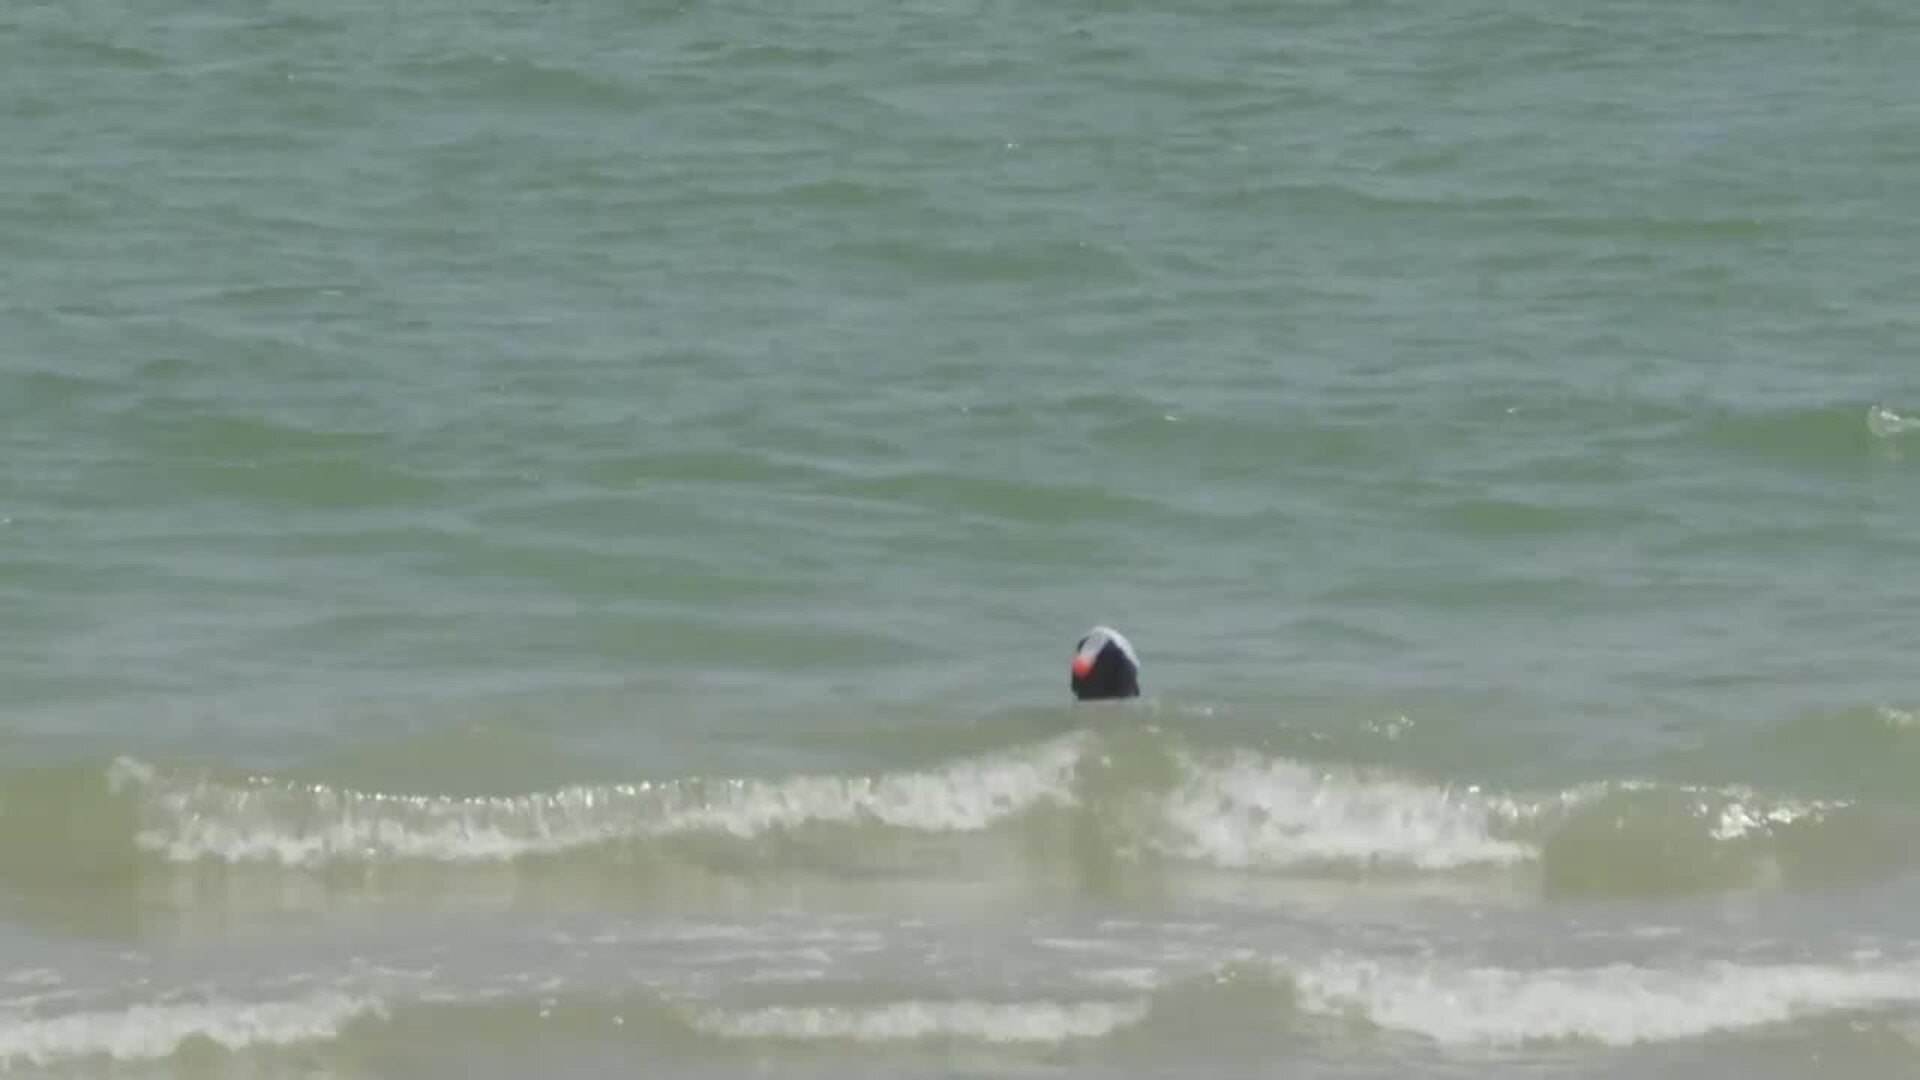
(545, 539)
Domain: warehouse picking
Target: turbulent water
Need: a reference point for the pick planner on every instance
(545, 539)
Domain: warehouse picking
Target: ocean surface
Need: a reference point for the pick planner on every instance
(544, 539)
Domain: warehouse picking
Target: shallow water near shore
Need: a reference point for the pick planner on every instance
(546, 540)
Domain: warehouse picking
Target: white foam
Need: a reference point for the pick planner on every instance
(967, 796)
(1743, 813)
(184, 820)
(1126, 978)
(1616, 1005)
(995, 1022)
(1886, 423)
(147, 1032)
(1899, 719)
(1247, 812)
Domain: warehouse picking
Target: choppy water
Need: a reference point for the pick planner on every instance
(545, 539)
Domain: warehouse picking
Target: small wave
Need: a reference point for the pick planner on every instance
(1616, 1005)
(1449, 1004)
(187, 820)
(151, 1032)
(1884, 423)
(1246, 811)
(1095, 808)
(1045, 1022)
(1818, 437)
(1641, 838)
(1242, 811)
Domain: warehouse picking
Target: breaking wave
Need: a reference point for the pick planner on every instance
(1105, 804)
